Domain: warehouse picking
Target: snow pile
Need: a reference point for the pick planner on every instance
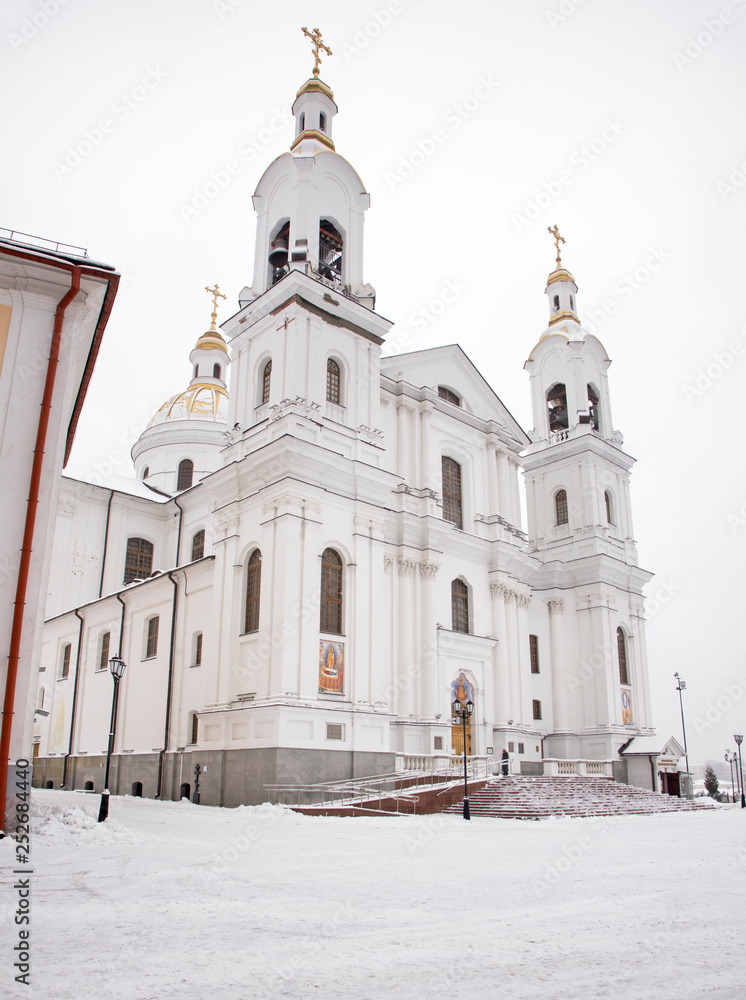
(61, 821)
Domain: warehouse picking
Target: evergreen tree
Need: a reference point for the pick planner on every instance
(711, 781)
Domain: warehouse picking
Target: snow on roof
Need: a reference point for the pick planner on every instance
(125, 484)
(653, 745)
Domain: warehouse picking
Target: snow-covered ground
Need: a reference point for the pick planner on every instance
(176, 900)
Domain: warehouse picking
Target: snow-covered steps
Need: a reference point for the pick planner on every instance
(517, 797)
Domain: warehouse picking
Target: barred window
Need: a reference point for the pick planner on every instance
(151, 647)
(451, 477)
(621, 647)
(449, 395)
(331, 592)
(266, 380)
(332, 381)
(138, 562)
(533, 645)
(560, 507)
(198, 545)
(253, 592)
(103, 660)
(537, 709)
(65, 661)
(459, 606)
(186, 473)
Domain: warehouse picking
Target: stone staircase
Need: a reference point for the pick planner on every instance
(515, 797)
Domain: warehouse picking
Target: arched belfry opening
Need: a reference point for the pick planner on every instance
(557, 407)
(331, 246)
(278, 253)
(593, 407)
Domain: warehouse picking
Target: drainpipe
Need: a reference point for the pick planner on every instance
(169, 689)
(106, 544)
(178, 536)
(121, 625)
(28, 534)
(75, 696)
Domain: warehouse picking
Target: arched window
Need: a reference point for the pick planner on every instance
(138, 562)
(216, 371)
(266, 380)
(557, 407)
(196, 371)
(331, 246)
(303, 122)
(65, 661)
(451, 480)
(253, 592)
(459, 606)
(103, 656)
(151, 640)
(322, 122)
(560, 507)
(198, 545)
(555, 303)
(621, 649)
(146, 472)
(331, 592)
(572, 303)
(449, 395)
(609, 507)
(197, 649)
(332, 381)
(186, 472)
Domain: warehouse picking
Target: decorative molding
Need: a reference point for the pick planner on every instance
(384, 401)
(514, 461)
(66, 506)
(403, 407)
(428, 570)
(388, 564)
(291, 500)
(502, 590)
(406, 566)
(426, 411)
(556, 606)
(522, 600)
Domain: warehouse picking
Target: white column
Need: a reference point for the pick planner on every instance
(402, 465)
(503, 484)
(515, 500)
(560, 712)
(428, 659)
(522, 602)
(429, 477)
(502, 706)
(514, 666)
(405, 679)
(493, 503)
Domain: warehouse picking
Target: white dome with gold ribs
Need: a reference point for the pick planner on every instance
(200, 401)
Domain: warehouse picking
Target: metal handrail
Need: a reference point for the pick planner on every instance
(41, 243)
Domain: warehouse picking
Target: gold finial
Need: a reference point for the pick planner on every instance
(554, 230)
(315, 37)
(216, 294)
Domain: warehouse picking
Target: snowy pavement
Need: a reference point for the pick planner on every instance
(176, 900)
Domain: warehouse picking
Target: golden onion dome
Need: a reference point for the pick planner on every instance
(201, 401)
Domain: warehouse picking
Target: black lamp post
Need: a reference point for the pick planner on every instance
(681, 686)
(729, 760)
(738, 737)
(117, 667)
(462, 711)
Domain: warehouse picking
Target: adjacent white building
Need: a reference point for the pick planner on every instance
(334, 555)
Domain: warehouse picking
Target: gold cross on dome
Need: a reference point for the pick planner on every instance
(315, 37)
(216, 294)
(554, 230)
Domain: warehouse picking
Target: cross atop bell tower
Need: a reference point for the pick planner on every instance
(314, 107)
(315, 37)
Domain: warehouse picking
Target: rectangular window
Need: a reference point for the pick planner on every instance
(151, 648)
(511, 747)
(198, 650)
(537, 709)
(437, 742)
(334, 731)
(520, 748)
(451, 482)
(103, 660)
(65, 661)
(533, 643)
(195, 728)
(198, 545)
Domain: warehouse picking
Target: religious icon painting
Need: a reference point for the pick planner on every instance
(626, 708)
(331, 667)
(461, 690)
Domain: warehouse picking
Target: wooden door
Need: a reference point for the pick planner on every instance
(457, 737)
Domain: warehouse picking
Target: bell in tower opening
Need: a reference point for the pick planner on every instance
(278, 253)
(331, 245)
(557, 406)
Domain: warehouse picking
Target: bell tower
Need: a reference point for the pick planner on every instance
(580, 528)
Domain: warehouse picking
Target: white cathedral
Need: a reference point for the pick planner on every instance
(311, 570)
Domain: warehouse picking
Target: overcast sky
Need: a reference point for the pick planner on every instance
(474, 126)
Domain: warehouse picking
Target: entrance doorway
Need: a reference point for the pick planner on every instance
(186, 791)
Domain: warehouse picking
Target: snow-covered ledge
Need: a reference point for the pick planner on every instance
(555, 767)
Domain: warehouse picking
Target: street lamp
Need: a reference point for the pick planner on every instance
(738, 737)
(730, 758)
(117, 667)
(681, 686)
(462, 711)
